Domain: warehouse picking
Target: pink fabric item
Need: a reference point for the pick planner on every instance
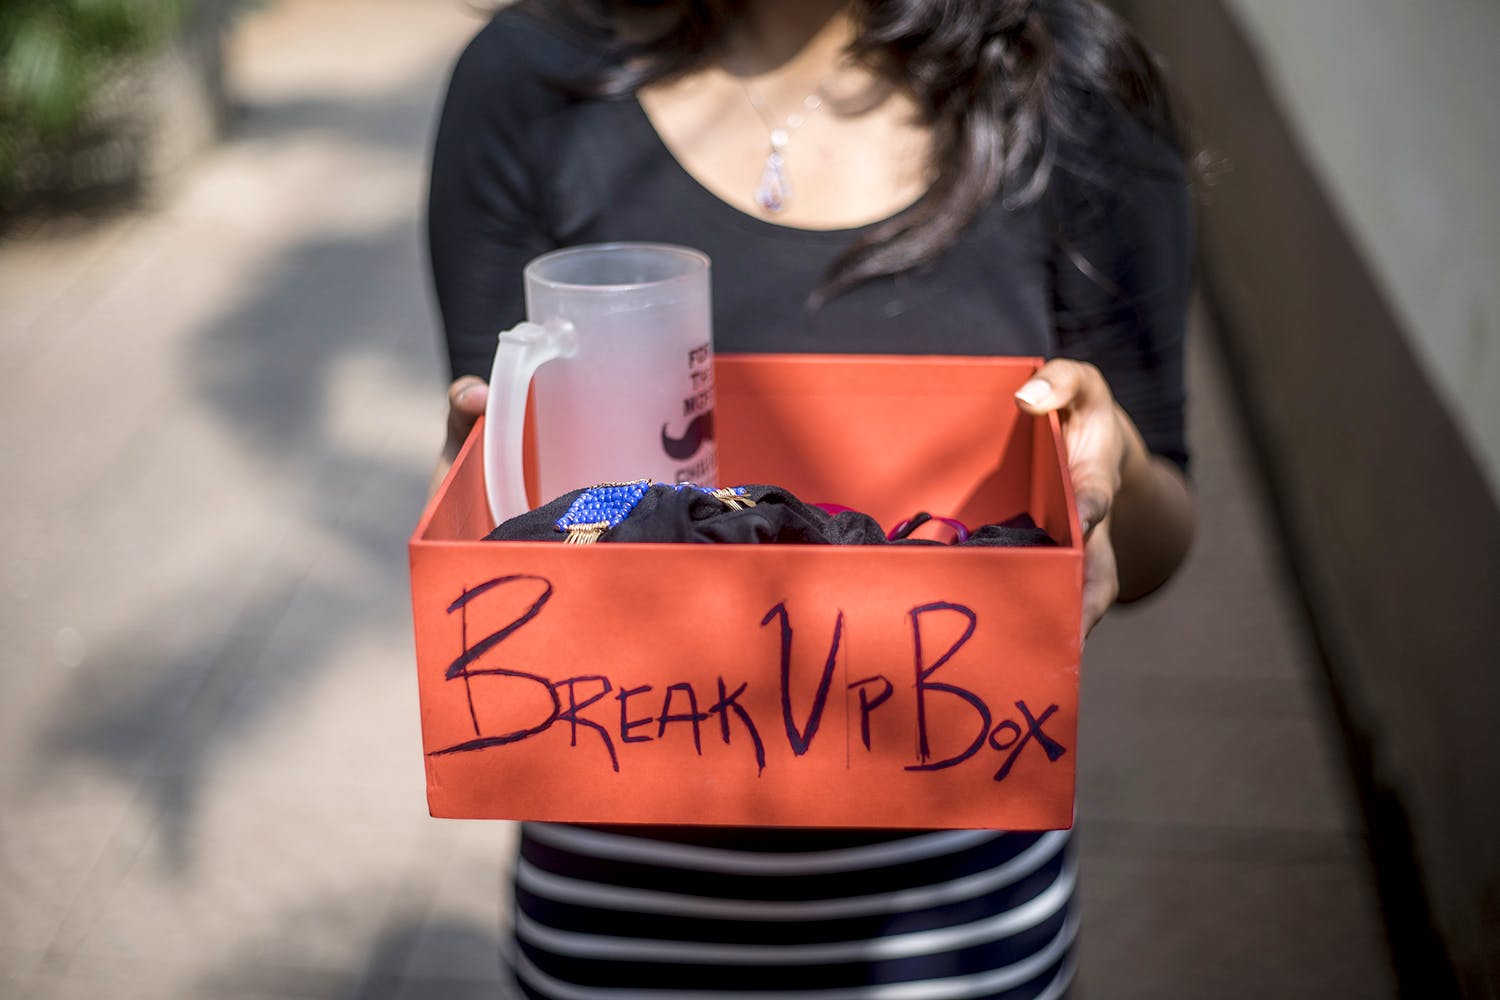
(959, 528)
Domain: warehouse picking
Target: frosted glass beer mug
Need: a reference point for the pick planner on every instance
(617, 349)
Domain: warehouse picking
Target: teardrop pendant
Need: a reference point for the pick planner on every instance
(774, 189)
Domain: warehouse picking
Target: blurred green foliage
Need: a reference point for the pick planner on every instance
(54, 54)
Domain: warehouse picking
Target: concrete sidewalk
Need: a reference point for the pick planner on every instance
(219, 415)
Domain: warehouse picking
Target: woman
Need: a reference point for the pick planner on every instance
(879, 176)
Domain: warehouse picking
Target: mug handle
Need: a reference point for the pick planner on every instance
(520, 352)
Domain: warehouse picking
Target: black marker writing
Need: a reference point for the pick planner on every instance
(513, 689)
(801, 738)
(728, 703)
(925, 685)
(1017, 741)
(868, 704)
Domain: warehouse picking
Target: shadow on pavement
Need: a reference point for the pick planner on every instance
(402, 964)
(175, 699)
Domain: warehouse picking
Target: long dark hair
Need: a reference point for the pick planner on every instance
(1000, 83)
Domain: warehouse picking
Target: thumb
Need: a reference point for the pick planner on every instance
(468, 395)
(467, 398)
(1056, 385)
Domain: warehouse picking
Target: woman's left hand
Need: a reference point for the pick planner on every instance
(1106, 457)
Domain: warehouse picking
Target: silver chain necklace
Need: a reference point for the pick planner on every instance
(774, 189)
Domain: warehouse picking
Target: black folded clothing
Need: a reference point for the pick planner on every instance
(750, 514)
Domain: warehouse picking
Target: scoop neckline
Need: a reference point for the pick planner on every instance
(745, 220)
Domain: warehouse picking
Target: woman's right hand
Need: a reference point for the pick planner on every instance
(467, 397)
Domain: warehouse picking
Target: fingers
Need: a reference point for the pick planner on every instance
(1101, 581)
(1096, 447)
(1093, 504)
(1059, 384)
(1091, 427)
(467, 397)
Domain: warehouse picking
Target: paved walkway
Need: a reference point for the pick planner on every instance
(217, 418)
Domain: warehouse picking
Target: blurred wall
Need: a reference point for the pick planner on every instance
(1393, 103)
(1349, 248)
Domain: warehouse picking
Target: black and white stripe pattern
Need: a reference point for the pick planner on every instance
(659, 914)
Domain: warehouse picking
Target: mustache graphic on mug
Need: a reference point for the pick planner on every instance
(701, 429)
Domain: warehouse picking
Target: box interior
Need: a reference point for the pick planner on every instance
(890, 436)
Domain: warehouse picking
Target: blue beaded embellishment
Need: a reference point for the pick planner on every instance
(599, 508)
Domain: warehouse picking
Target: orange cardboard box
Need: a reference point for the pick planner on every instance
(848, 686)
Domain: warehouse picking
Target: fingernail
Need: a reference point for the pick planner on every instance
(1035, 393)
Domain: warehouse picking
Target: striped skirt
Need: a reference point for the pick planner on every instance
(672, 914)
